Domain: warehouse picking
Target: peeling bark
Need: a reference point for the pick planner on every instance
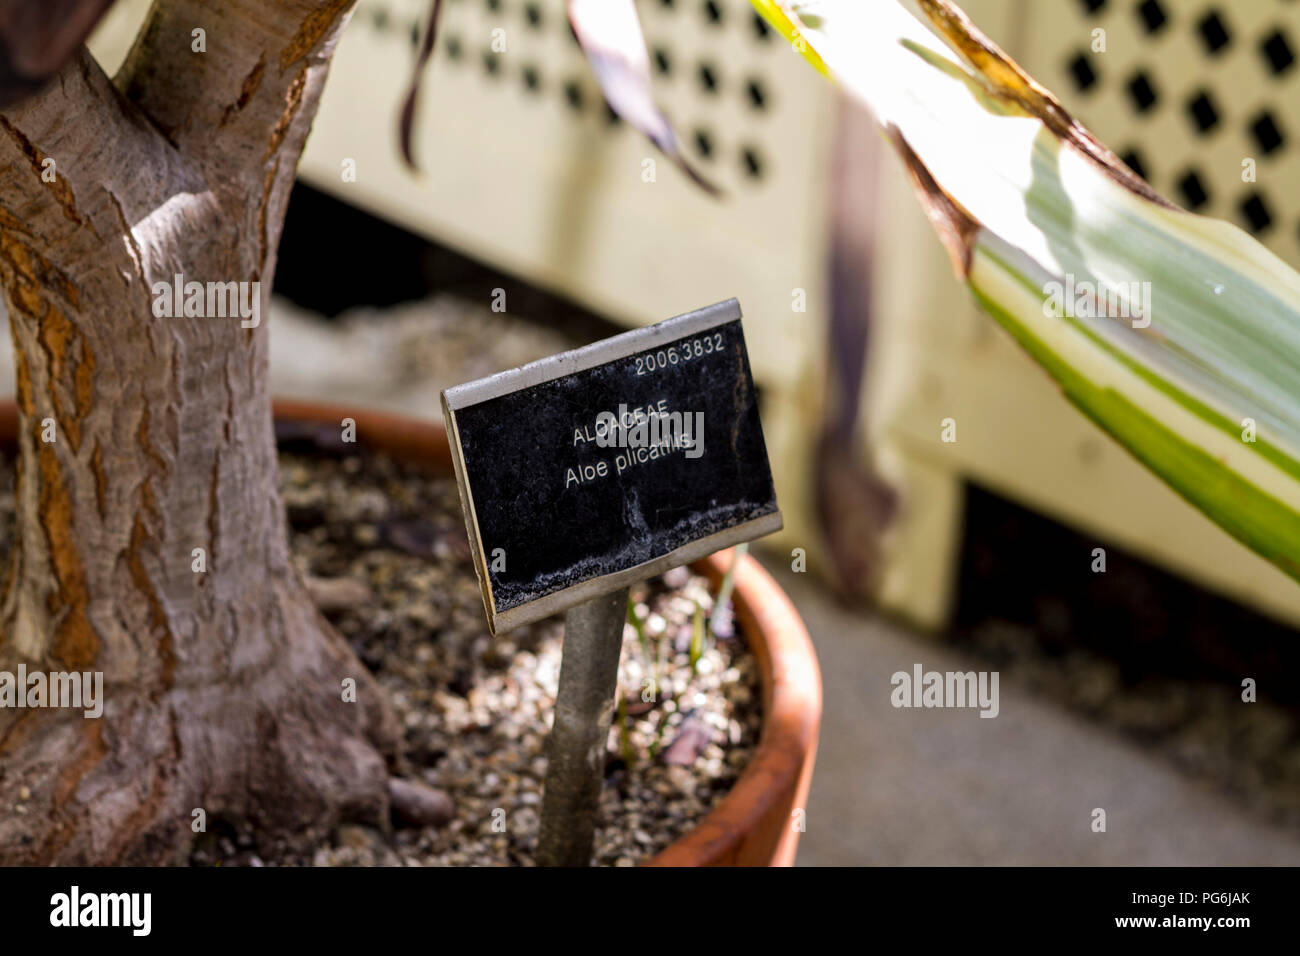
(222, 688)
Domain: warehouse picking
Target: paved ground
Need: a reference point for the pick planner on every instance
(934, 787)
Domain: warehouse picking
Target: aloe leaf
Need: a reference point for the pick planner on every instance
(406, 119)
(720, 621)
(697, 637)
(1179, 335)
(609, 32)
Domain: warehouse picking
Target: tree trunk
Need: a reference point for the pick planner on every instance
(223, 685)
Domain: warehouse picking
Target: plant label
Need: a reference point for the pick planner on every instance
(586, 471)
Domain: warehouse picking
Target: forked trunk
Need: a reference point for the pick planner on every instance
(151, 544)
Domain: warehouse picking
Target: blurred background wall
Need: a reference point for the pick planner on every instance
(525, 169)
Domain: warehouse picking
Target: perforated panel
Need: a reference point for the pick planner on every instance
(724, 109)
(526, 167)
(1184, 92)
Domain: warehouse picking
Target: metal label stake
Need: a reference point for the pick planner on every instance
(584, 708)
(588, 471)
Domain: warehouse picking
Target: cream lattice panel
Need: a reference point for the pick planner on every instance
(525, 166)
(1185, 91)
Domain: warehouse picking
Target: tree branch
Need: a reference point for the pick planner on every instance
(242, 109)
(79, 168)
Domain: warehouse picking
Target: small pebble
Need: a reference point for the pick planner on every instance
(419, 805)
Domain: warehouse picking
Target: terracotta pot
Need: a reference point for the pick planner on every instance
(755, 823)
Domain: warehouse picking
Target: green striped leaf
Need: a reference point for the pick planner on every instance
(1179, 335)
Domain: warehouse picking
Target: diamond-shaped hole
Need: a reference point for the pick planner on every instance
(1085, 77)
(713, 12)
(757, 94)
(761, 30)
(533, 15)
(752, 162)
(1133, 160)
(1152, 15)
(704, 143)
(491, 62)
(1193, 190)
(663, 61)
(1142, 92)
(1092, 6)
(1203, 111)
(532, 79)
(1277, 51)
(708, 78)
(1267, 134)
(1256, 212)
(1214, 32)
(573, 95)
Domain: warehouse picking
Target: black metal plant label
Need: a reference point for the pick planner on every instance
(589, 470)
